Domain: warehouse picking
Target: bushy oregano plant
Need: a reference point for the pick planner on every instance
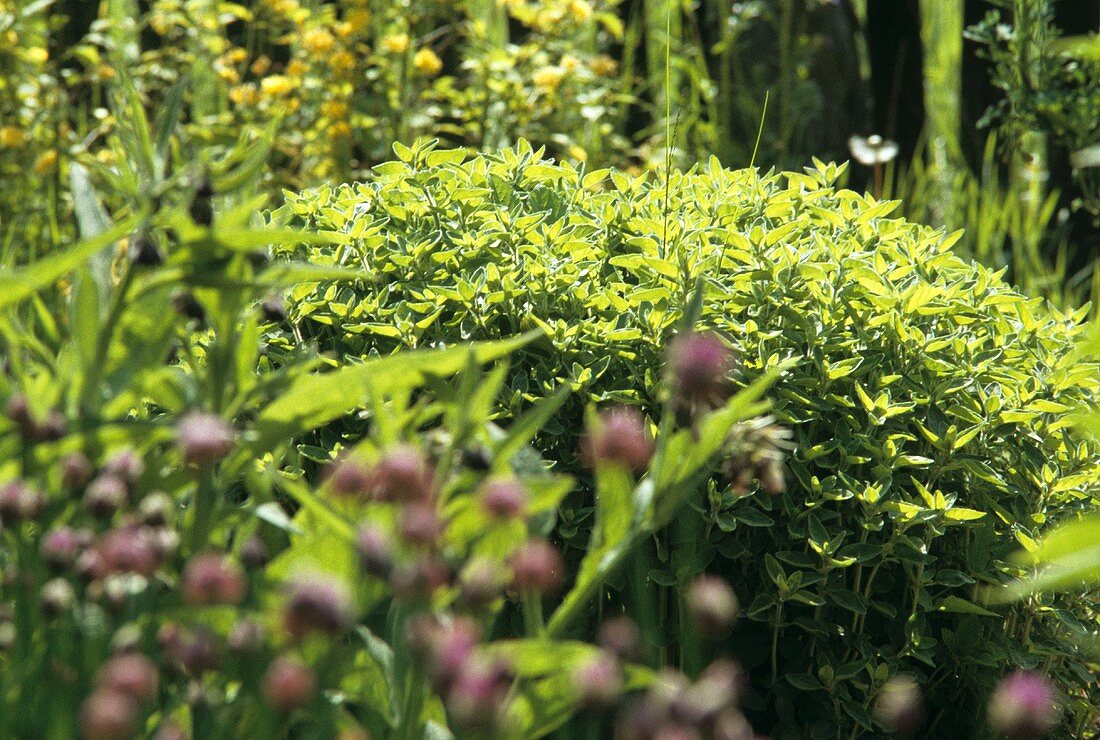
(925, 399)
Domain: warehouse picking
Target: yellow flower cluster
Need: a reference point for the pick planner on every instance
(12, 137)
(318, 42)
(397, 43)
(427, 62)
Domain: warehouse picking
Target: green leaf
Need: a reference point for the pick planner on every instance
(957, 605)
(315, 400)
(18, 285)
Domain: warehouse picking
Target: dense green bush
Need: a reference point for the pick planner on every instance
(926, 399)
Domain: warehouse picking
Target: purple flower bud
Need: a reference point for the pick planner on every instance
(90, 565)
(156, 509)
(203, 438)
(899, 706)
(19, 503)
(719, 687)
(57, 597)
(105, 495)
(318, 604)
(620, 438)
(53, 428)
(125, 465)
(375, 551)
(254, 553)
(598, 681)
(60, 548)
(712, 606)
(698, 365)
(245, 637)
(732, 725)
(504, 498)
(1024, 705)
(403, 475)
(420, 525)
(130, 549)
(419, 579)
(274, 309)
(198, 651)
(130, 674)
(477, 697)
(537, 568)
(76, 470)
(620, 636)
(450, 648)
(482, 581)
(212, 579)
(288, 684)
(108, 715)
(349, 477)
(18, 411)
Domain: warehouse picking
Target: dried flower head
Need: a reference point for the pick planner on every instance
(1024, 705)
(620, 437)
(131, 674)
(712, 606)
(289, 684)
(503, 498)
(108, 715)
(212, 578)
(203, 438)
(317, 604)
(402, 475)
(899, 706)
(537, 568)
(699, 364)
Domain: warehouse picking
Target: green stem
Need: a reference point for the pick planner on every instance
(205, 503)
(775, 643)
(103, 341)
(532, 614)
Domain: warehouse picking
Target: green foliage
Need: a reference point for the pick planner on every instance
(926, 398)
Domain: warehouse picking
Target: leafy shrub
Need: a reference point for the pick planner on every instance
(925, 398)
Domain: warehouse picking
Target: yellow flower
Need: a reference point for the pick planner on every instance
(357, 19)
(106, 72)
(578, 153)
(334, 109)
(229, 75)
(246, 94)
(427, 62)
(581, 10)
(342, 61)
(548, 18)
(318, 42)
(296, 68)
(261, 65)
(45, 162)
(548, 79)
(160, 23)
(276, 86)
(397, 43)
(12, 137)
(285, 8)
(37, 55)
(604, 65)
(569, 63)
(236, 55)
(339, 130)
